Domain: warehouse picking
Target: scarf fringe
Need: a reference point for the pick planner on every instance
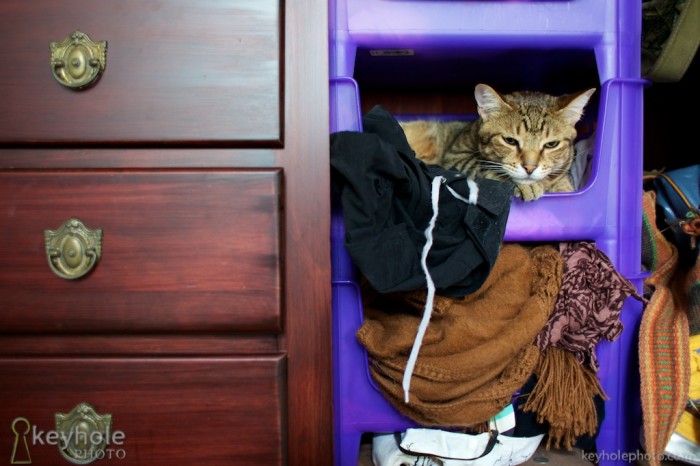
(563, 398)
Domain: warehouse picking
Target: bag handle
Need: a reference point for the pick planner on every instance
(680, 193)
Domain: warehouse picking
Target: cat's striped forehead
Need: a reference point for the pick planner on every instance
(532, 113)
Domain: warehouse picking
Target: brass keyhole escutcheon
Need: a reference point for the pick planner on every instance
(73, 249)
(78, 61)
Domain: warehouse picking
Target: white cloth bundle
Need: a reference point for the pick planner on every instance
(434, 447)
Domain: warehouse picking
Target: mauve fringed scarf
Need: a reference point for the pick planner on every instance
(587, 310)
(588, 305)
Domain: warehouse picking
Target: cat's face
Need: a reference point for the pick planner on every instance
(528, 137)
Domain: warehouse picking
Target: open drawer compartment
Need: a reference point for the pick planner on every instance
(592, 213)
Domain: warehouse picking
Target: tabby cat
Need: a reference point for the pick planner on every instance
(523, 137)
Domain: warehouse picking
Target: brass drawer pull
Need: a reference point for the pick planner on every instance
(78, 61)
(73, 249)
(84, 434)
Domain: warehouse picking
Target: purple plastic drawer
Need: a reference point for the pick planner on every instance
(591, 213)
(610, 28)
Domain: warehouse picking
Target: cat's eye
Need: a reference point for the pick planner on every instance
(551, 144)
(511, 141)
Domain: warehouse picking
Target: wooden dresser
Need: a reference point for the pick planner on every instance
(164, 233)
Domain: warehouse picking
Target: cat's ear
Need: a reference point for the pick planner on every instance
(488, 101)
(573, 105)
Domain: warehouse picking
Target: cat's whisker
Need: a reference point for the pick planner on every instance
(491, 163)
(496, 171)
(559, 171)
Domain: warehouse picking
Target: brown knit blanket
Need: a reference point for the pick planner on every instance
(477, 351)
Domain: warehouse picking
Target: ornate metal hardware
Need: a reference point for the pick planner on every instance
(78, 61)
(83, 434)
(73, 249)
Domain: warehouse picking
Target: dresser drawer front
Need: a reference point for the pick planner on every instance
(176, 71)
(182, 251)
(213, 411)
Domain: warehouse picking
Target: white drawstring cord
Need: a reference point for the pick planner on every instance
(428, 308)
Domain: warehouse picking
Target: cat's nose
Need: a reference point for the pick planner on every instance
(529, 168)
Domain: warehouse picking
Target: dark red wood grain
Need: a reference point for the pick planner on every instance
(207, 133)
(177, 72)
(307, 338)
(214, 411)
(182, 250)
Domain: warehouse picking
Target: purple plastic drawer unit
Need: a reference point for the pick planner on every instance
(559, 46)
(611, 29)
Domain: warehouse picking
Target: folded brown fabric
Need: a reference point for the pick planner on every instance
(477, 351)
